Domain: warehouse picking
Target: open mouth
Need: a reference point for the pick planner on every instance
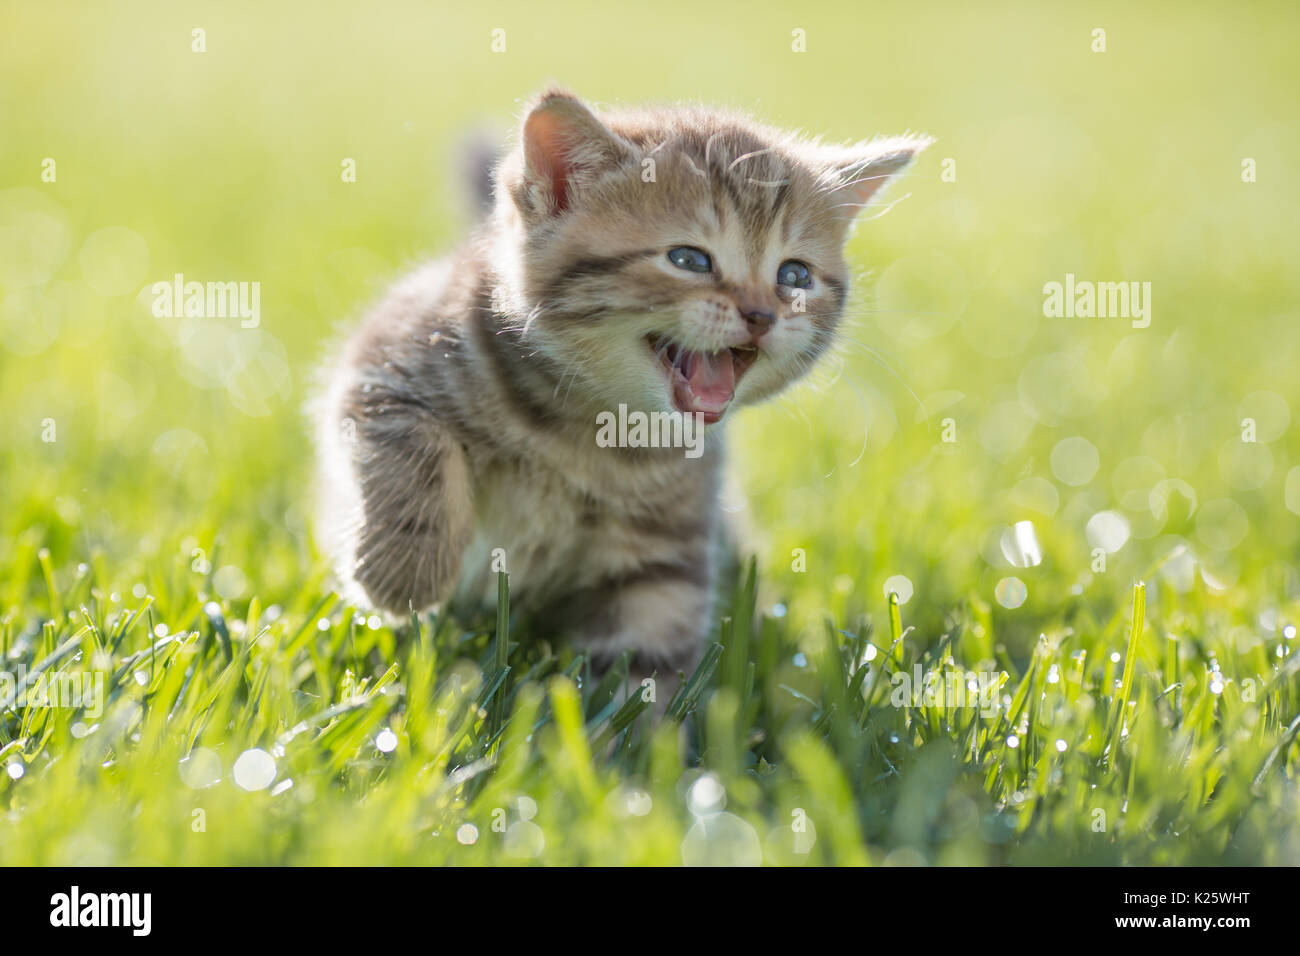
(702, 382)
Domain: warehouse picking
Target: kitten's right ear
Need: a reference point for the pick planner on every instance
(566, 148)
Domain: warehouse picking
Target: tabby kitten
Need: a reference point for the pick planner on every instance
(665, 260)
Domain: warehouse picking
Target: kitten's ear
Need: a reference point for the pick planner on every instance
(857, 174)
(566, 148)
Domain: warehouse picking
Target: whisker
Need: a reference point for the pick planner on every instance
(884, 209)
(708, 148)
(695, 169)
(750, 155)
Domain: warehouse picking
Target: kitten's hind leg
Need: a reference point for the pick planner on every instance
(661, 614)
(403, 506)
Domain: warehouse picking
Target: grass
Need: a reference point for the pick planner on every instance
(433, 743)
(1071, 511)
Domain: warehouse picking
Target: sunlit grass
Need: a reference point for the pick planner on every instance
(313, 733)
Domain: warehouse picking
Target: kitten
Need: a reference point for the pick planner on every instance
(667, 260)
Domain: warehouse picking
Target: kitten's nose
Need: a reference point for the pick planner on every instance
(758, 320)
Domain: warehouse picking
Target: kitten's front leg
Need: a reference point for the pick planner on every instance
(407, 500)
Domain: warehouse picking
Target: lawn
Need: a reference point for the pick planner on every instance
(1017, 588)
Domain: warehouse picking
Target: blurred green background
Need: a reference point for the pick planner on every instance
(226, 165)
(180, 443)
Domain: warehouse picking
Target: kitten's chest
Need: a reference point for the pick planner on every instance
(555, 532)
(526, 523)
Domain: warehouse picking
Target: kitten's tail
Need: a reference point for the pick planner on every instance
(479, 153)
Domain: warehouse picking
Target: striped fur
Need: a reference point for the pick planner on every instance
(461, 416)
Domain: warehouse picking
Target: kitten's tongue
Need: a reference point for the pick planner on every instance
(706, 382)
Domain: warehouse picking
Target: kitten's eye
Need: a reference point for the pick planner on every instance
(794, 274)
(690, 259)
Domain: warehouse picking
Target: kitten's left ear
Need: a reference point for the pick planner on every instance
(566, 148)
(857, 174)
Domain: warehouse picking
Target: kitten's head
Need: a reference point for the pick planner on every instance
(678, 258)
